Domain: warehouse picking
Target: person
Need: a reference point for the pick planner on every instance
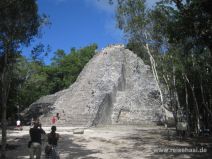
(58, 116)
(34, 120)
(35, 135)
(53, 120)
(32, 123)
(53, 138)
(18, 124)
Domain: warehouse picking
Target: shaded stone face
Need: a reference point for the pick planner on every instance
(115, 87)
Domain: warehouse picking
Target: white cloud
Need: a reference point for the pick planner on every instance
(102, 5)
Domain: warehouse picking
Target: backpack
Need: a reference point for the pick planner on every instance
(53, 138)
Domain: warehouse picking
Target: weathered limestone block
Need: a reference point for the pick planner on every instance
(78, 131)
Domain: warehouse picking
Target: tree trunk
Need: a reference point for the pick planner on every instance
(152, 61)
(167, 85)
(195, 103)
(203, 98)
(175, 88)
(187, 107)
(210, 49)
(4, 131)
(5, 85)
(4, 120)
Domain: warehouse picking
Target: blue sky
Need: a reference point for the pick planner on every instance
(78, 23)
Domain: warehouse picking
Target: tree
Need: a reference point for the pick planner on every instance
(19, 23)
(65, 68)
(178, 42)
(191, 23)
(59, 54)
(188, 29)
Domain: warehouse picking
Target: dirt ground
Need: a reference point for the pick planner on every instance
(116, 142)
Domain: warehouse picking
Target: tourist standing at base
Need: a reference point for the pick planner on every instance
(35, 135)
(51, 148)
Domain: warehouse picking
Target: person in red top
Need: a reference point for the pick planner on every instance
(53, 120)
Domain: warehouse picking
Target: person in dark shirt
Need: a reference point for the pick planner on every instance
(58, 116)
(53, 138)
(35, 135)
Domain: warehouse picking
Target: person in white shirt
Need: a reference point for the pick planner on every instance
(18, 124)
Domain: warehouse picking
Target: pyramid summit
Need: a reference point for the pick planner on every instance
(115, 87)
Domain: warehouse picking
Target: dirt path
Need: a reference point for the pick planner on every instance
(117, 142)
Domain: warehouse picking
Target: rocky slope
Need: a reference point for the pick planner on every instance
(115, 87)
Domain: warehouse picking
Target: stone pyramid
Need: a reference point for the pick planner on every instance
(115, 87)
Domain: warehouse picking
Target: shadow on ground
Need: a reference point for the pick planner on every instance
(136, 143)
(17, 148)
(168, 145)
(74, 150)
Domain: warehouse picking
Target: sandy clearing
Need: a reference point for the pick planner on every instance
(111, 142)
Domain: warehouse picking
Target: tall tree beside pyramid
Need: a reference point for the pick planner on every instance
(178, 35)
(19, 23)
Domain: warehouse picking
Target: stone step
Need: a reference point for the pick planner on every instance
(140, 122)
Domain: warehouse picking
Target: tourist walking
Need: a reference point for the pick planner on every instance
(51, 149)
(35, 144)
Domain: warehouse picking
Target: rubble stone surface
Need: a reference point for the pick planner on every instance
(115, 87)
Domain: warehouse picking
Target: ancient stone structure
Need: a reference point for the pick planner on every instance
(115, 87)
